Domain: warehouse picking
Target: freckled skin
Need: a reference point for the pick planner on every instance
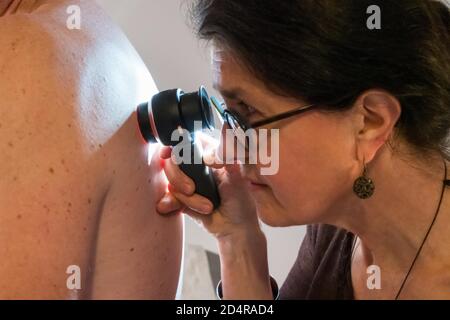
(62, 200)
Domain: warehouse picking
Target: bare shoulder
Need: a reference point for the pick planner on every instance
(75, 183)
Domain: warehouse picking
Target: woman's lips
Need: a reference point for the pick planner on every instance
(256, 187)
(256, 184)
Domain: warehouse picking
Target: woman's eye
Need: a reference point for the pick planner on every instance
(245, 110)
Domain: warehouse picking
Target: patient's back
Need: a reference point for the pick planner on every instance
(75, 186)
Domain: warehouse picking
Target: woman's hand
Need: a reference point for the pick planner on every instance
(242, 244)
(236, 214)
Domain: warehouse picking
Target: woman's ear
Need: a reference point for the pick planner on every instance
(376, 113)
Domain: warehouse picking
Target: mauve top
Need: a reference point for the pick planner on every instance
(322, 268)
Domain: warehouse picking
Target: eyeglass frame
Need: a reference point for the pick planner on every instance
(245, 125)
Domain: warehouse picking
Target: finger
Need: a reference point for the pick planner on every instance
(173, 213)
(168, 204)
(228, 151)
(209, 150)
(207, 141)
(165, 152)
(195, 202)
(211, 159)
(178, 178)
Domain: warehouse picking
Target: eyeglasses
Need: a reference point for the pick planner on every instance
(240, 126)
(235, 121)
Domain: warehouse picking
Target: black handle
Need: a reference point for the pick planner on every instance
(202, 176)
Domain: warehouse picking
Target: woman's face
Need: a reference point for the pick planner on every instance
(317, 152)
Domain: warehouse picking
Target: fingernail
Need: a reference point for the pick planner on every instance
(164, 201)
(160, 207)
(205, 208)
(209, 157)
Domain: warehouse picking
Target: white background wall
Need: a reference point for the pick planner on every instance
(158, 30)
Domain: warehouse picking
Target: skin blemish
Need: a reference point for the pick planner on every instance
(70, 204)
(10, 144)
(69, 125)
(14, 45)
(19, 216)
(15, 178)
(51, 170)
(24, 92)
(132, 249)
(63, 161)
(89, 200)
(100, 145)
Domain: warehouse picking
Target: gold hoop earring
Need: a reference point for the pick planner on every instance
(363, 186)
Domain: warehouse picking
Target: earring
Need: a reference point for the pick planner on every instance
(364, 186)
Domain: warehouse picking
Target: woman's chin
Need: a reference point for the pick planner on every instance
(281, 217)
(271, 211)
(272, 218)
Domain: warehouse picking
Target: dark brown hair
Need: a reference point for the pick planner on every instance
(323, 52)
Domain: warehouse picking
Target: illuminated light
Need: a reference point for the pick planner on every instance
(152, 148)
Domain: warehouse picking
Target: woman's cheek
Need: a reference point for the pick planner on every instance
(283, 183)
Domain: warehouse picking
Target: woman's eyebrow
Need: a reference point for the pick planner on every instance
(232, 93)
